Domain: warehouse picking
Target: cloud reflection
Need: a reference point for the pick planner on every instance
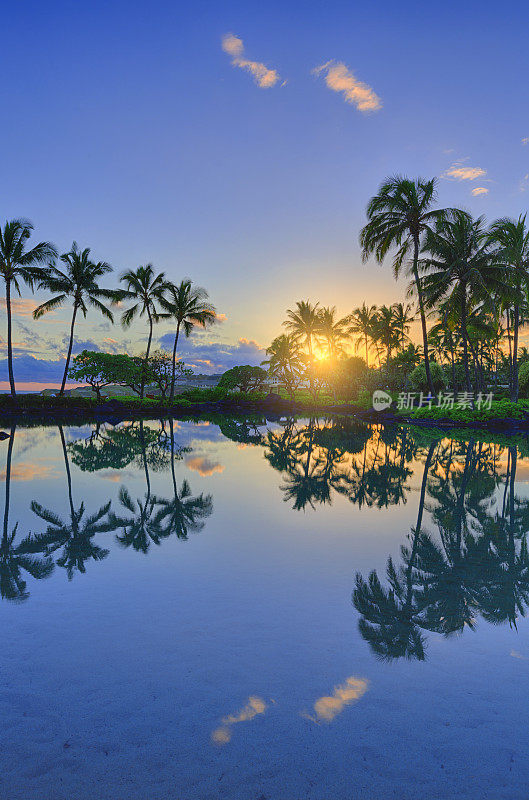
(326, 708)
(253, 707)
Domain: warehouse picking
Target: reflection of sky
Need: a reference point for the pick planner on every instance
(150, 654)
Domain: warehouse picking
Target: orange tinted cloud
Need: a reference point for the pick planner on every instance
(253, 707)
(203, 465)
(339, 78)
(328, 707)
(264, 77)
(28, 472)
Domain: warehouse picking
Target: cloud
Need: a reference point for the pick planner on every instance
(525, 140)
(253, 707)
(461, 173)
(215, 357)
(328, 707)
(28, 369)
(221, 317)
(21, 307)
(264, 77)
(340, 79)
(524, 183)
(87, 344)
(203, 465)
(479, 190)
(29, 472)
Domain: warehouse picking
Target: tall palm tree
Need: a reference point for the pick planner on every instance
(361, 323)
(303, 322)
(398, 217)
(75, 535)
(182, 513)
(17, 557)
(147, 290)
(285, 361)
(512, 239)
(460, 266)
(335, 332)
(386, 329)
(79, 281)
(402, 318)
(18, 264)
(186, 304)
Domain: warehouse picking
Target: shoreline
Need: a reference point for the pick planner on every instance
(36, 409)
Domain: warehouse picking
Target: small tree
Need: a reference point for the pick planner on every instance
(102, 369)
(159, 371)
(244, 379)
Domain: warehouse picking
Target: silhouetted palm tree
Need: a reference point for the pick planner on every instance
(398, 217)
(74, 536)
(20, 265)
(186, 304)
(146, 290)
(512, 240)
(15, 558)
(460, 261)
(183, 512)
(303, 322)
(361, 323)
(79, 282)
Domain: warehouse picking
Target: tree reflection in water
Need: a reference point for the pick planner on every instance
(475, 563)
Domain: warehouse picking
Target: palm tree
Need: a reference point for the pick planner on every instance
(17, 557)
(386, 330)
(182, 513)
(18, 264)
(303, 322)
(398, 216)
(147, 290)
(402, 318)
(185, 304)
(512, 240)
(285, 361)
(461, 266)
(80, 282)
(74, 535)
(361, 323)
(334, 331)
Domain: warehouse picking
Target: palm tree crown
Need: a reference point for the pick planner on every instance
(186, 304)
(78, 281)
(147, 289)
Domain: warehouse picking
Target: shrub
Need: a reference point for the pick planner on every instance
(418, 377)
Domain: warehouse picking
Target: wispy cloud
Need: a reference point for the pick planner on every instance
(479, 190)
(21, 306)
(339, 78)
(525, 140)
(263, 76)
(461, 173)
(524, 183)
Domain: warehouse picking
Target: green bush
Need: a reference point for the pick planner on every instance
(499, 410)
(418, 377)
(523, 379)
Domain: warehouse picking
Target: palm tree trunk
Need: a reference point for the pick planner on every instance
(422, 315)
(9, 339)
(147, 353)
(8, 481)
(70, 346)
(465, 337)
(173, 378)
(367, 353)
(68, 473)
(510, 351)
(516, 326)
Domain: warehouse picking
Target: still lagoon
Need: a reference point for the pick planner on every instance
(262, 610)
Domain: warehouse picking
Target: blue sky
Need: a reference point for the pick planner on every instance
(128, 127)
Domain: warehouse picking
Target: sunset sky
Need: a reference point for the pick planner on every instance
(238, 143)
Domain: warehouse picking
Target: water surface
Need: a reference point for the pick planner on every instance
(280, 610)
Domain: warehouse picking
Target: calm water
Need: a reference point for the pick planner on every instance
(284, 610)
